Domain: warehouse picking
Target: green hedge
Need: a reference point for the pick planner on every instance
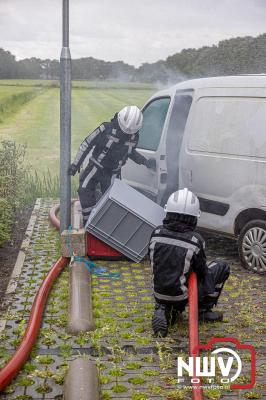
(5, 220)
(12, 191)
(19, 185)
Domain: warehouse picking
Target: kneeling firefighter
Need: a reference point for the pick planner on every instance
(175, 249)
(112, 143)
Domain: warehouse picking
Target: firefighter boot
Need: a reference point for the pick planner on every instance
(159, 320)
(210, 316)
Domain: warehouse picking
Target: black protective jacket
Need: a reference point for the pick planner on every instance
(175, 250)
(111, 147)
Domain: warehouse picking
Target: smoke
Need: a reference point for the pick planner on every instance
(170, 78)
(159, 74)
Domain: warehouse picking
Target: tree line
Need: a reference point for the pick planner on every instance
(239, 55)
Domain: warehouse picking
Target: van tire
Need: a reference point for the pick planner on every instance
(252, 246)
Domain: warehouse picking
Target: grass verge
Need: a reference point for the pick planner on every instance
(13, 103)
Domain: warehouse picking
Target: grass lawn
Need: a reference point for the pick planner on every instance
(36, 123)
(8, 91)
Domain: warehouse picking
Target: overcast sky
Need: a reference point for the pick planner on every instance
(133, 31)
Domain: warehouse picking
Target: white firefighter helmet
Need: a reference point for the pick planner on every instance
(130, 119)
(183, 202)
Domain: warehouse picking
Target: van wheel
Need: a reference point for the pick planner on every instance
(252, 246)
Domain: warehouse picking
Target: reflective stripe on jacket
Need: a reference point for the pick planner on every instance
(173, 255)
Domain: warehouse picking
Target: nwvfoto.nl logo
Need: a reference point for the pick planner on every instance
(222, 361)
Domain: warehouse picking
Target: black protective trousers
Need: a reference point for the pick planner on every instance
(218, 273)
(89, 180)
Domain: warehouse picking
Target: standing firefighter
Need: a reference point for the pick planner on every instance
(112, 144)
(175, 250)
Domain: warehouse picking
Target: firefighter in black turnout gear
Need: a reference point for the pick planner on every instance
(112, 144)
(175, 249)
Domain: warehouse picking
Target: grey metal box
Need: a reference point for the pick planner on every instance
(125, 219)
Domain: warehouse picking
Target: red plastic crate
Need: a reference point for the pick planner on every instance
(100, 250)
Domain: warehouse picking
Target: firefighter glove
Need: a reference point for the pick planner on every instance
(72, 170)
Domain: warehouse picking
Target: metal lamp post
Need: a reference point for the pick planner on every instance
(65, 123)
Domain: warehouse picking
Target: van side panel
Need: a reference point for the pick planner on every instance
(224, 155)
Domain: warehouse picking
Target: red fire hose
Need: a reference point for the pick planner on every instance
(23, 351)
(193, 328)
(53, 216)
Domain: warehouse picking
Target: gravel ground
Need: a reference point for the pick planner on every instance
(132, 363)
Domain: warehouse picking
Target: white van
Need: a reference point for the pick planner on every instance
(209, 135)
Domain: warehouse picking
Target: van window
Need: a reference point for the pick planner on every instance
(154, 116)
(230, 125)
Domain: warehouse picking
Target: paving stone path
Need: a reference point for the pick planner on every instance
(132, 363)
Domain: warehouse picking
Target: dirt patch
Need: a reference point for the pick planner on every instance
(9, 251)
